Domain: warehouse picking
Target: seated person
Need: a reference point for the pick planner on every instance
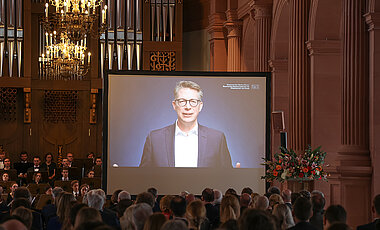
(36, 165)
(7, 163)
(65, 163)
(70, 158)
(98, 161)
(10, 197)
(22, 166)
(65, 174)
(75, 187)
(5, 177)
(37, 178)
(84, 188)
(91, 174)
(49, 165)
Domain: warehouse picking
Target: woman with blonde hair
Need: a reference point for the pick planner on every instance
(87, 214)
(275, 199)
(283, 216)
(196, 215)
(229, 208)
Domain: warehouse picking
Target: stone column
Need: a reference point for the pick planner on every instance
(262, 14)
(354, 164)
(373, 21)
(233, 26)
(299, 79)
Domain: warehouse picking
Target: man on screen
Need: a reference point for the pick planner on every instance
(186, 143)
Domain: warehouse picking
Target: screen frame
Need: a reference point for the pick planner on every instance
(105, 91)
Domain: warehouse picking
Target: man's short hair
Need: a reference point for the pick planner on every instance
(189, 85)
(74, 182)
(256, 219)
(37, 157)
(274, 190)
(302, 209)
(208, 195)
(145, 197)
(306, 194)
(247, 190)
(178, 206)
(318, 202)
(22, 192)
(153, 191)
(23, 153)
(376, 203)
(123, 195)
(335, 213)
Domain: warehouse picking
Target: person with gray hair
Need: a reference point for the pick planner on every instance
(262, 203)
(96, 199)
(191, 144)
(218, 196)
(135, 216)
(123, 195)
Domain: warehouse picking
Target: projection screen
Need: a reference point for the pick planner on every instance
(138, 111)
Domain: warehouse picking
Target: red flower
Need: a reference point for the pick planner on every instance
(300, 175)
(278, 167)
(309, 168)
(275, 173)
(313, 172)
(305, 170)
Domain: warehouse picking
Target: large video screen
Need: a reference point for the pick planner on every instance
(185, 131)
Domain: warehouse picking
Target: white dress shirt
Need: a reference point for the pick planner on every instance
(186, 147)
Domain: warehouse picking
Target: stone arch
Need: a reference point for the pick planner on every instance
(325, 20)
(280, 31)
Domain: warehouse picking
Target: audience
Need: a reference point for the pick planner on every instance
(165, 203)
(245, 201)
(155, 221)
(376, 212)
(262, 203)
(196, 215)
(87, 214)
(302, 210)
(253, 219)
(229, 208)
(333, 214)
(212, 213)
(178, 209)
(283, 216)
(318, 201)
(287, 197)
(25, 214)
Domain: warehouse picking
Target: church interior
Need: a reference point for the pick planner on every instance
(321, 55)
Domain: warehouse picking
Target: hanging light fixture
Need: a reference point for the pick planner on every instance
(66, 31)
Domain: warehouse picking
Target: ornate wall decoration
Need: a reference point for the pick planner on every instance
(93, 96)
(163, 61)
(27, 106)
(60, 106)
(8, 104)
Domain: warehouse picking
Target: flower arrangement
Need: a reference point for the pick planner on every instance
(287, 165)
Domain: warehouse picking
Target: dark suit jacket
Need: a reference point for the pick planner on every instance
(370, 226)
(303, 226)
(212, 148)
(110, 218)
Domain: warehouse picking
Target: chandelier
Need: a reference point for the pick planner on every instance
(67, 29)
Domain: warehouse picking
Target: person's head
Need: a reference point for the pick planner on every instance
(123, 195)
(70, 157)
(84, 189)
(334, 213)
(230, 191)
(191, 197)
(135, 216)
(98, 161)
(25, 214)
(306, 194)
(23, 156)
(275, 199)
(37, 177)
(145, 197)
(91, 155)
(36, 160)
(7, 162)
(318, 201)
(165, 203)
(262, 203)
(14, 187)
(229, 208)
(294, 196)
(376, 205)
(255, 219)
(217, 196)
(2, 154)
(14, 222)
(65, 172)
(247, 190)
(122, 206)
(155, 221)
(95, 199)
(283, 216)
(245, 200)
(64, 206)
(273, 190)
(75, 185)
(174, 225)
(178, 206)
(65, 163)
(49, 190)
(208, 195)
(195, 213)
(22, 192)
(48, 157)
(302, 209)
(20, 202)
(56, 191)
(87, 214)
(286, 195)
(153, 191)
(5, 177)
(115, 196)
(187, 101)
(74, 212)
(91, 174)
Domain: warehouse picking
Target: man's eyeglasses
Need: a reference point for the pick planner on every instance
(183, 102)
